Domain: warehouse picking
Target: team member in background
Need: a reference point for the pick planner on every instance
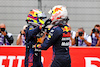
(5, 37)
(95, 34)
(81, 38)
(59, 37)
(33, 56)
(21, 37)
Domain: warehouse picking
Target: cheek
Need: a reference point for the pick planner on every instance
(95, 34)
(24, 32)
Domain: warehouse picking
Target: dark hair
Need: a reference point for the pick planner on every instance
(81, 28)
(97, 25)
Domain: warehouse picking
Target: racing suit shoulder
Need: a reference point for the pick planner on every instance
(58, 30)
(31, 33)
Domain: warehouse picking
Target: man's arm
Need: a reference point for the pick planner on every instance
(88, 41)
(34, 31)
(18, 39)
(9, 38)
(74, 39)
(54, 34)
(98, 42)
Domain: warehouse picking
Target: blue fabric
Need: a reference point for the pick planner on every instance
(32, 60)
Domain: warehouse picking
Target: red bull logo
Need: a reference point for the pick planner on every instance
(57, 9)
(67, 29)
(66, 32)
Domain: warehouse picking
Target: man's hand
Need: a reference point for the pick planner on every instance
(97, 35)
(47, 22)
(22, 32)
(37, 46)
(77, 34)
(4, 33)
(82, 37)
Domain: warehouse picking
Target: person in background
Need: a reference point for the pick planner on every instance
(21, 37)
(5, 37)
(81, 38)
(95, 35)
(72, 35)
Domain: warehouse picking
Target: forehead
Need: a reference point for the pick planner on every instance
(2, 25)
(97, 27)
(80, 29)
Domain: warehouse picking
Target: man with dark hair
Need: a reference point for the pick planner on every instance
(81, 38)
(95, 34)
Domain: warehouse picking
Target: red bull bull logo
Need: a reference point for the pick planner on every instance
(57, 9)
(67, 29)
(66, 32)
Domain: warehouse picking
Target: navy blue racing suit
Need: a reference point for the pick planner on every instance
(59, 37)
(33, 56)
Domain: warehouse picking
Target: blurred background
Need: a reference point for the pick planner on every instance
(82, 13)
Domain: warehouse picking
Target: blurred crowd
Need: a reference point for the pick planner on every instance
(81, 38)
(78, 38)
(6, 38)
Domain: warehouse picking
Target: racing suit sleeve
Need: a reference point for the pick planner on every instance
(51, 39)
(33, 32)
